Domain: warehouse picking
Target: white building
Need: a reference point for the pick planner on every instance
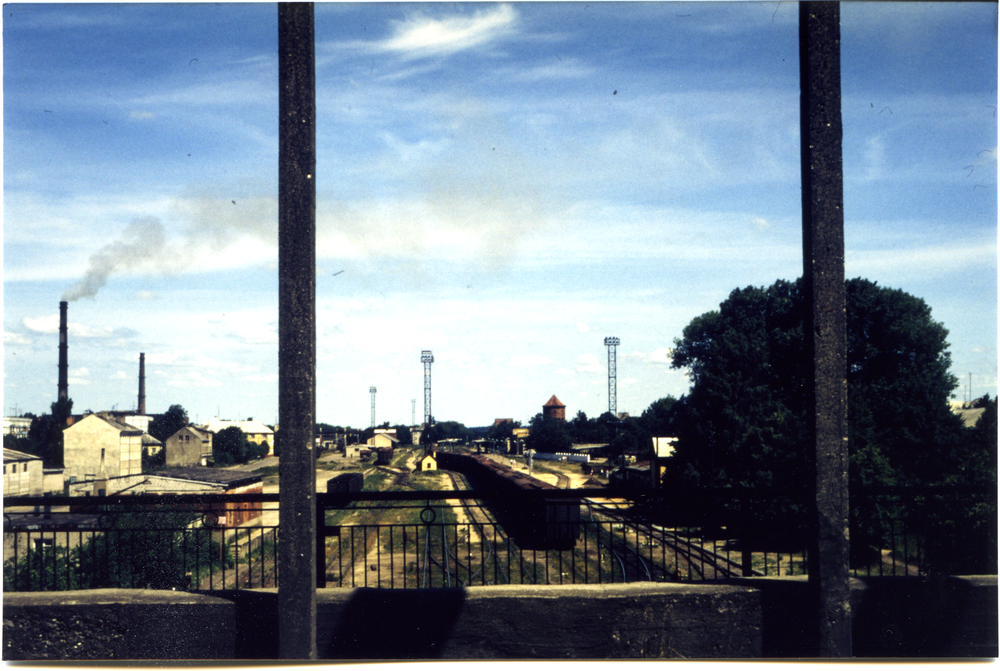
(22, 474)
(101, 446)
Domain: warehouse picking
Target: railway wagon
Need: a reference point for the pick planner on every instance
(534, 521)
(345, 482)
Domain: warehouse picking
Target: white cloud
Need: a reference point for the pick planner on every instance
(425, 36)
(46, 325)
(530, 360)
(661, 356)
(588, 363)
(582, 327)
(16, 339)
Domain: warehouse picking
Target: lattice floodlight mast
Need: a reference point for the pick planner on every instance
(427, 359)
(611, 344)
(372, 390)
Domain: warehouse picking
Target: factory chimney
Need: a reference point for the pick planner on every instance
(63, 355)
(141, 409)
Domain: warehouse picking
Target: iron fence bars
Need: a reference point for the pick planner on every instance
(402, 540)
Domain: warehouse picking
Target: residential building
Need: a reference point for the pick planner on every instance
(99, 445)
(190, 446)
(151, 445)
(16, 426)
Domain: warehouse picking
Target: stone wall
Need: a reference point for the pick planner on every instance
(747, 618)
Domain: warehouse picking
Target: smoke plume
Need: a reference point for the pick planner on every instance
(217, 220)
(142, 243)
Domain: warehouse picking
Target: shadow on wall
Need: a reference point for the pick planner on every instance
(392, 624)
(372, 624)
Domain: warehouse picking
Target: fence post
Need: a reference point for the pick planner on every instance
(297, 330)
(825, 322)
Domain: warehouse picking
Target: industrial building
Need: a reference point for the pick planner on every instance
(191, 480)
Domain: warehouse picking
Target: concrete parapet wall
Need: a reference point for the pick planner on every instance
(107, 624)
(745, 618)
(636, 621)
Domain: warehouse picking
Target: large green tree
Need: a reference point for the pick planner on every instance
(165, 425)
(743, 422)
(230, 446)
(745, 412)
(45, 438)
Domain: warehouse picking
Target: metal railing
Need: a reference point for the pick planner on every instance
(413, 539)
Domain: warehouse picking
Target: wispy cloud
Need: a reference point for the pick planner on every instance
(588, 363)
(421, 35)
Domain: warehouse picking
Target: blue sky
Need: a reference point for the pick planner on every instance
(503, 184)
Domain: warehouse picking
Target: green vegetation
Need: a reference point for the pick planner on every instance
(151, 550)
(230, 446)
(743, 423)
(44, 437)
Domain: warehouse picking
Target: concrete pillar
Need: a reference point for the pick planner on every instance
(297, 330)
(825, 324)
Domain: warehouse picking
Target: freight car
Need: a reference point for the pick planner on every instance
(531, 519)
(345, 482)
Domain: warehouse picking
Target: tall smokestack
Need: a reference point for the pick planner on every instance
(142, 384)
(63, 354)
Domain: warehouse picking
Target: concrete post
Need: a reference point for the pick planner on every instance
(825, 324)
(297, 330)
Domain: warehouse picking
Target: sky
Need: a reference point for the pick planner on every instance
(502, 184)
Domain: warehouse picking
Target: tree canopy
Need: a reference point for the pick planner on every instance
(230, 446)
(45, 437)
(744, 417)
(165, 425)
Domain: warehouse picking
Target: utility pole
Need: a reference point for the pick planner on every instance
(372, 391)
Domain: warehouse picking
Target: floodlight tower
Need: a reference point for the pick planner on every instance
(612, 344)
(427, 359)
(372, 390)
(413, 411)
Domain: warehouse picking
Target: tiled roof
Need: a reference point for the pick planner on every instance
(554, 402)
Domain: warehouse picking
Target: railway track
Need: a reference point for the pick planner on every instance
(690, 559)
(369, 523)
